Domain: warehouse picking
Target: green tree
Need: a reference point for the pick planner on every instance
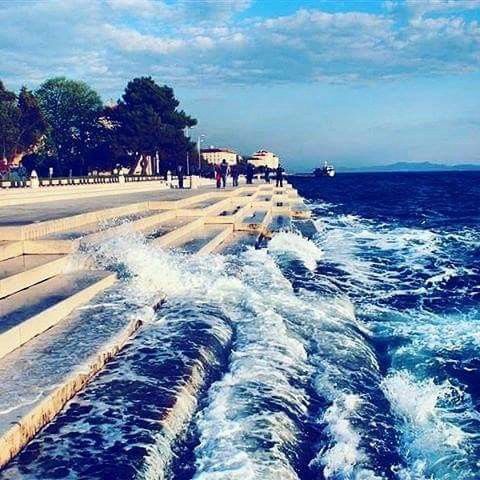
(22, 124)
(32, 123)
(72, 110)
(146, 121)
(8, 120)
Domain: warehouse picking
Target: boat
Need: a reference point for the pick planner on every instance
(325, 171)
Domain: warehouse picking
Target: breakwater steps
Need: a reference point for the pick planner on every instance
(200, 223)
(30, 312)
(23, 271)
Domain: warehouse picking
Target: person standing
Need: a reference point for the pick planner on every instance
(279, 176)
(218, 175)
(249, 173)
(180, 176)
(234, 174)
(267, 174)
(224, 172)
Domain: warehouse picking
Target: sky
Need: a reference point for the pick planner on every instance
(354, 82)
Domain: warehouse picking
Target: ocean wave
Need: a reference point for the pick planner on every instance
(345, 376)
(297, 246)
(415, 288)
(430, 424)
(251, 424)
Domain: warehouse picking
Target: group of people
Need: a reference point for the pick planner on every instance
(15, 173)
(222, 170)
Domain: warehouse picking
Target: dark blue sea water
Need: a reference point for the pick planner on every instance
(347, 348)
(404, 248)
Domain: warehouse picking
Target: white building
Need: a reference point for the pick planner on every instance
(217, 155)
(263, 158)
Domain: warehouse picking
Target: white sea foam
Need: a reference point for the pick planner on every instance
(297, 246)
(433, 441)
(267, 367)
(340, 357)
(345, 453)
(269, 363)
(436, 420)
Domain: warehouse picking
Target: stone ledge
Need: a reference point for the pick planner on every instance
(24, 279)
(13, 440)
(21, 332)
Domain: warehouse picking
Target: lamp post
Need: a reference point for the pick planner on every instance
(200, 139)
(188, 153)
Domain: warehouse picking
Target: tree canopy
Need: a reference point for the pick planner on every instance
(65, 125)
(72, 110)
(146, 121)
(21, 123)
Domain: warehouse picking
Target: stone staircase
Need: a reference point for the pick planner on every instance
(42, 288)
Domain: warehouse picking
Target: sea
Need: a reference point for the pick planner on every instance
(345, 348)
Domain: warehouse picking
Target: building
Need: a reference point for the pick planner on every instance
(263, 158)
(217, 155)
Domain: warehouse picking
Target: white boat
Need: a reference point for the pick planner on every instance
(325, 171)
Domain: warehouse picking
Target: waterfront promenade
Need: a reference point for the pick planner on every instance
(51, 346)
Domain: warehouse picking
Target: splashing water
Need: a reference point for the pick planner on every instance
(415, 284)
(350, 356)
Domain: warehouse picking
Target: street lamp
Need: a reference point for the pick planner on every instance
(188, 153)
(200, 139)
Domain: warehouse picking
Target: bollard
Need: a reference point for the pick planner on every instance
(194, 182)
(34, 182)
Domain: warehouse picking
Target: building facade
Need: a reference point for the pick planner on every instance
(262, 158)
(217, 155)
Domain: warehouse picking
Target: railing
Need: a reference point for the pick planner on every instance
(59, 181)
(85, 180)
(143, 178)
(14, 183)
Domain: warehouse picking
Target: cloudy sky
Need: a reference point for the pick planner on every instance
(357, 82)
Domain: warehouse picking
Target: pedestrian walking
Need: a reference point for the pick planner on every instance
(279, 176)
(234, 174)
(249, 173)
(180, 176)
(267, 174)
(218, 176)
(224, 172)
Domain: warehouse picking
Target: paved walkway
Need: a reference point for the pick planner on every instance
(32, 213)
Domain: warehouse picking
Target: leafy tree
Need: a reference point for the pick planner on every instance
(21, 123)
(72, 109)
(146, 121)
(32, 123)
(8, 120)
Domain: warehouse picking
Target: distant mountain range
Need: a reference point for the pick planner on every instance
(411, 167)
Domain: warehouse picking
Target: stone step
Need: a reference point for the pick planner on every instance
(252, 222)
(175, 236)
(21, 272)
(165, 227)
(30, 312)
(39, 377)
(201, 240)
(100, 226)
(279, 222)
(10, 249)
(217, 241)
(22, 230)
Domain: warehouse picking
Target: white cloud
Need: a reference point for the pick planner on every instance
(188, 42)
(139, 7)
(422, 7)
(130, 40)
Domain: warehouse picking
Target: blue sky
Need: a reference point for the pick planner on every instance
(354, 82)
